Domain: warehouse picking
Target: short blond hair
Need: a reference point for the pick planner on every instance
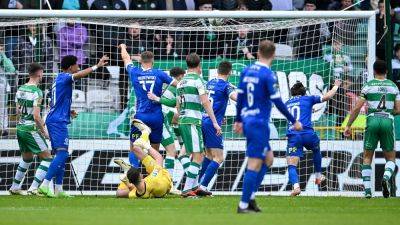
(266, 49)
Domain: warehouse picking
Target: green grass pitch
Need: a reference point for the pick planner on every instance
(216, 210)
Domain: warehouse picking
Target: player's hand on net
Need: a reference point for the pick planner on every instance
(297, 126)
(338, 82)
(153, 97)
(218, 128)
(347, 131)
(238, 127)
(74, 114)
(122, 46)
(103, 61)
(135, 58)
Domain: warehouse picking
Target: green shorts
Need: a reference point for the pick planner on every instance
(379, 129)
(31, 141)
(192, 137)
(178, 134)
(168, 136)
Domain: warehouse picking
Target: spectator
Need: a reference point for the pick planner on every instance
(178, 4)
(258, 4)
(147, 5)
(396, 65)
(109, 5)
(11, 4)
(284, 5)
(307, 40)
(323, 4)
(241, 46)
(339, 104)
(225, 4)
(341, 63)
(6, 66)
(137, 41)
(71, 39)
(67, 4)
(34, 47)
(380, 30)
(168, 48)
(298, 4)
(242, 7)
(206, 42)
(11, 33)
(342, 5)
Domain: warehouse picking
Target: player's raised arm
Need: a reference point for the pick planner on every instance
(83, 73)
(353, 115)
(332, 92)
(126, 58)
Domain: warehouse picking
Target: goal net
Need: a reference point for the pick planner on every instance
(311, 50)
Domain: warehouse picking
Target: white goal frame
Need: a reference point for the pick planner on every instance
(370, 15)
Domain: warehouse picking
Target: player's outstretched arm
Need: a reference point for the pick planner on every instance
(126, 58)
(353, 116)
(162, 100)
(83, 73)
(332, 92)
(208, 108)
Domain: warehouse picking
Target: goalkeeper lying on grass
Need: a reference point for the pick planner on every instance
(158, 182)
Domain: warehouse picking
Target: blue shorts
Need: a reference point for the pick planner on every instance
(296, 143)
(210, 137)
(257, 137)
(155, 122)
(58, 133)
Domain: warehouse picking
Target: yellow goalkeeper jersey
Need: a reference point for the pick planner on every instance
(158, 181)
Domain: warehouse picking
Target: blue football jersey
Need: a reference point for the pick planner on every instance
(258, 85)
(144, 81)
(301, 109)
(219, 91)
(61, 99)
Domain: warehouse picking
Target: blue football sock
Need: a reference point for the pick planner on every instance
(293, 177)
(317, 160)
(60, 174)
(57, 163)
(249, 183)
(210, 172)
(260, 177)
(204, 165)
(133, 160)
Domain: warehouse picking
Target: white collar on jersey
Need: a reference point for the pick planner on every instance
(146, 69)
(261, 64)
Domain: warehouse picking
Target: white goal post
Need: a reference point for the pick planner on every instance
(307, 51)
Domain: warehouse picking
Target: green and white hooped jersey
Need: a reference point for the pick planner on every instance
(189, 90)
(27, 97)
(380, 95)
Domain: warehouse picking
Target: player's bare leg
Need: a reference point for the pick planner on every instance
(26, 161)
(292, 162)
(390, 166)
(366, 172)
